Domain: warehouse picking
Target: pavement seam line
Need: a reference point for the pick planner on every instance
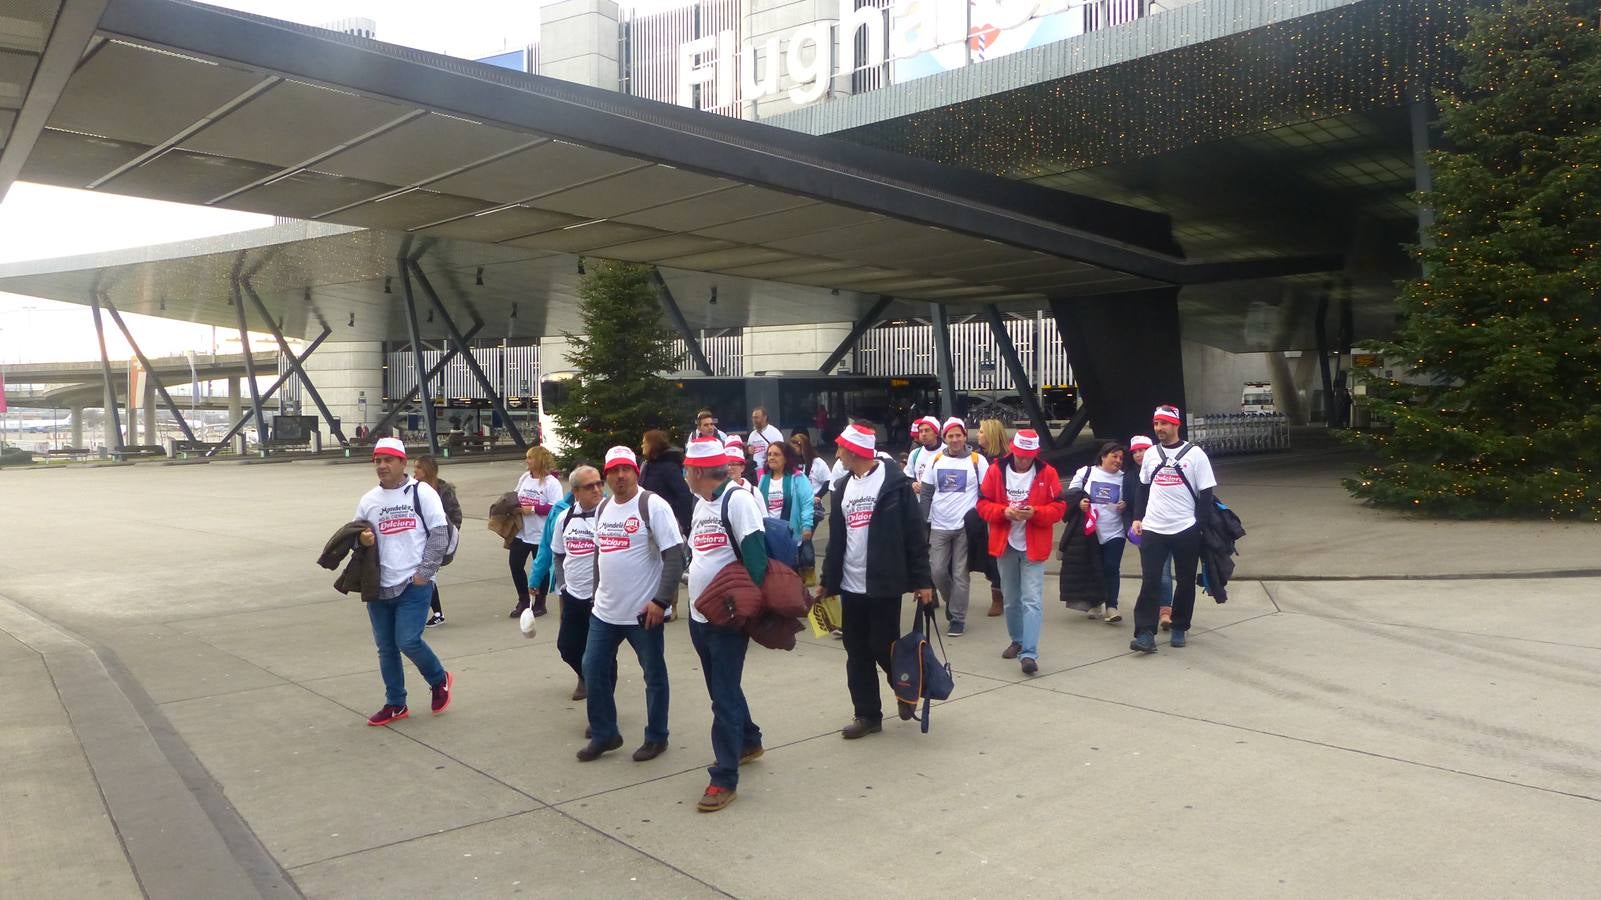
(416, 837)
(105, 804)
(1325, 744)
(1439, 630)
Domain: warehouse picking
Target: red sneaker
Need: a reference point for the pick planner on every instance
(388, 714)
(442, 694)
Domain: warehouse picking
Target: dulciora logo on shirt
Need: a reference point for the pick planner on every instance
(615, 536)
(397, 519)
(1168, 476)
(708, 535)
(858, 513)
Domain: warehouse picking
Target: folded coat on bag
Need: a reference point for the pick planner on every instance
(361, 575)
(731, 599)
(506, 518)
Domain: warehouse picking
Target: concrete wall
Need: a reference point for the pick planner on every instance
(1213, 378)
(341, 373)
(792, 347)
(578, 42)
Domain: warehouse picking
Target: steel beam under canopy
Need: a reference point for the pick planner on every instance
(670, 306)
(857, 330)
(105, 370)
(416, 353)
(942, 359)
(250, 364)
(400, 405)
(239, 425)
(294, 364)
(150, 371)
(461, 344)
(1020, 379)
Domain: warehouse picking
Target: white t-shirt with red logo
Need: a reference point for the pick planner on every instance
(631, 556)
(542, 494)
(954, 482)
(577, 543)
(401, 537)
(709, 542)
(775, 496)
(1018, 486)
(1170, 509)
(858, 501)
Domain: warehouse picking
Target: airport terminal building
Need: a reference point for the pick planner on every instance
(1026, 193)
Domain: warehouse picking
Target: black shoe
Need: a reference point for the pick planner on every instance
(860, 728)
(1144, 643)
(518, 609)
(592, 750)
(650, 750)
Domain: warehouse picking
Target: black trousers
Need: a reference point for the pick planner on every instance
(520, 553)
(871, 625)
(1154, 549)
(573, 635)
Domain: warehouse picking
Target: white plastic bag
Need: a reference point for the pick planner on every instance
(526, 623)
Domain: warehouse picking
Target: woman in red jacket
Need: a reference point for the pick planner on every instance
(1021, 499)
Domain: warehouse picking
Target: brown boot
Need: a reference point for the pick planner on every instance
(996, 606)
(580, 692)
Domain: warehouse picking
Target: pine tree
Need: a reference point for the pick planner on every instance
(618, 392)
(1502, 412)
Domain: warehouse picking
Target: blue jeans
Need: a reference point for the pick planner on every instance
(1022, 584)
(1111, 565)
(396, 629)
(722, 660)
(600, 677)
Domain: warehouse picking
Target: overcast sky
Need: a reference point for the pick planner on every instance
(39, 222)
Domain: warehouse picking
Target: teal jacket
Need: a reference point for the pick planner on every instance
(541, 576)
(798, 493)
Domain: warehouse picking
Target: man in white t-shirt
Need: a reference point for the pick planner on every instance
(640, 556)
(923, 450)
(735, 737)
(1175, 505)
(950, 491)
(875, 555)
(572, 547)
(762, 433)
(411, 533)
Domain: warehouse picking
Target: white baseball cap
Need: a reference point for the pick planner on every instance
(1026, 443)
(389, 447)
(621, 456)
(953, 422)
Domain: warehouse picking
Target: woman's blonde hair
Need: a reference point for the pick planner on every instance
(541, 459)
(992, 437)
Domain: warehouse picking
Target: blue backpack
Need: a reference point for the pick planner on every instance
(915, 670)
(780, 538)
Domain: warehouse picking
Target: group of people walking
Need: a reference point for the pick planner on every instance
(615, 542)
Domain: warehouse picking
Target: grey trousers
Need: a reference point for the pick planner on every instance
(947, 555)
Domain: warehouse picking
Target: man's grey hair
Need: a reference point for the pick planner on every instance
(581, 475)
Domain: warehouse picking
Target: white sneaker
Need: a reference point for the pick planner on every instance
(1113, 616)
(1095, 613)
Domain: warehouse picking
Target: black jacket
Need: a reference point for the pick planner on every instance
(897, 552)
(1082, 581)
(664, 476)
(361, 575)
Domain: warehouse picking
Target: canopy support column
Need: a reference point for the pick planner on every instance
(294, 364)
(857, 330)
(1020, 380)
(460, 341)
(664, 294)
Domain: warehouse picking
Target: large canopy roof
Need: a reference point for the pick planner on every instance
(465, 165)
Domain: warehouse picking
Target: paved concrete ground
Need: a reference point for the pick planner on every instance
(186, 697)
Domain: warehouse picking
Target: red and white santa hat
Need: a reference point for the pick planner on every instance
(859, 440)
(389, 447)
(950, 423)
(1139, 442)
(1168, 414)
(930, 421)
(621, 456)
(1026, 443)
(705, 453)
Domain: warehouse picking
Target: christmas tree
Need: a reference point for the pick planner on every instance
(618, 392)
(1500, 335)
